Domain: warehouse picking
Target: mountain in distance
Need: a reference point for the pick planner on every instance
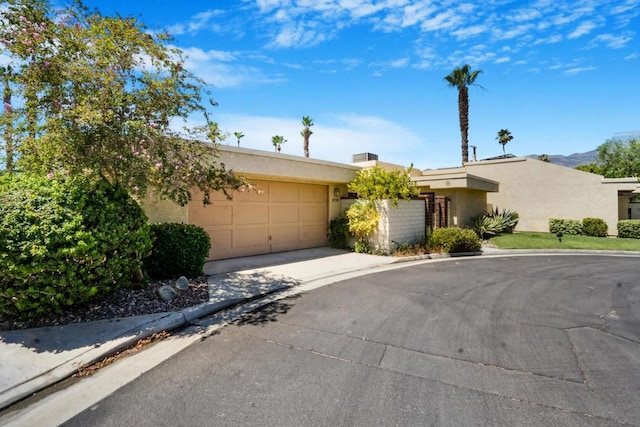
(570, 161)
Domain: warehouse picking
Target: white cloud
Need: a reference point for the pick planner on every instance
(572, 71)
(632, 56)
(555, 38)
(525, 15)
(442, 21)
(611, 41)
(502, 60)
(467, 32)
(582, 29)
(335, 136)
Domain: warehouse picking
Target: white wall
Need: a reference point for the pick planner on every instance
(403, 224)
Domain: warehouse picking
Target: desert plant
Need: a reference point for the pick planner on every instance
(363, 221)
(629, 228)
(338, 232)
(489, 224)
(596, 227)
(565, 226)
(454, 240)
(64, 241)
(178, 250)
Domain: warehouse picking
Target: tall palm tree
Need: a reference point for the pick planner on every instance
(504, 136)
(238, 136)
(277, 141)
(461, 78)
(307, 122)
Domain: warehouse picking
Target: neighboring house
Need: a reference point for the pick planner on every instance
(539, 191)
(296, 199)
(298, 196)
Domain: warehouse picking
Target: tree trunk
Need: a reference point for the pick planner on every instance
(8, 123)
(463, 105)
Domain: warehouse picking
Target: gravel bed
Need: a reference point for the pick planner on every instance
(121, 303)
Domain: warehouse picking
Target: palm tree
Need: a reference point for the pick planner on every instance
(238, 136)
(307, 122)
(461, 78)
(504, 136)
(277, 141)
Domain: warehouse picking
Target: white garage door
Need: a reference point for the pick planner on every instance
(284, 216)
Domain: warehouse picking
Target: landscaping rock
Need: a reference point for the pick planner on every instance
(167, 293)
(182, 283)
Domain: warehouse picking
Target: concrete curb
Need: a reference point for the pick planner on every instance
(169, 322)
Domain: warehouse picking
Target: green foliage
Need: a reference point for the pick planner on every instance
(102, 96)
(591, 168)
(488, 224)
(178, 250)
(595, 227)
(525, 240)
(629, 228)
(455, 240)
(64, 241)
(619, 159)
(277, 141)
(363, 221)
(339, 232)
(379, 184)
(565, 226)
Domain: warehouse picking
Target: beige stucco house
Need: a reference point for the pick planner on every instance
(536, 190)
(298, 197)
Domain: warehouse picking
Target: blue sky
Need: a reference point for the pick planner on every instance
(561, 76)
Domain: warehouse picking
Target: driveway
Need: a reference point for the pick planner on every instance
(527, 340)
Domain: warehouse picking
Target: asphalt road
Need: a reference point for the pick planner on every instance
(515, 341)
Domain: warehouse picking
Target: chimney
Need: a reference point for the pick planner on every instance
(363, 157)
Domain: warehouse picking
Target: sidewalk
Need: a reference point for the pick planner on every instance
(33, 359)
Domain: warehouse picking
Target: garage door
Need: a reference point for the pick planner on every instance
(284, 216)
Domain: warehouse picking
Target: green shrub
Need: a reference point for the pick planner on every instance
(629, 228)
(565, 226)
(363, 221)
(178, 250)
(489, 224)
(594, 227)
(338, 232)
(64, 241)
(452, 240)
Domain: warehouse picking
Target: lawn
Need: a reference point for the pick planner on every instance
(550, 241)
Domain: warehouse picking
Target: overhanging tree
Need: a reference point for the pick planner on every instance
(102, 96)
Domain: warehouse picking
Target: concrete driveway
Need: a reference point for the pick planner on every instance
(528, 340)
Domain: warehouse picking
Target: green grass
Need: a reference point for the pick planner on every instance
(550, 241)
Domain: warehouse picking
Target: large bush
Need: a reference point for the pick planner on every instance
(178, 250)
(64, 241)
(596, 227)
(565, 226)
(629, 228)
(452, 240)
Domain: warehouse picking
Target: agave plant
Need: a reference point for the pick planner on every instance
(489, 224)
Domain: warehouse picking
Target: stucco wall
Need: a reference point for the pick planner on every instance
(538, 191)
(464, 205)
